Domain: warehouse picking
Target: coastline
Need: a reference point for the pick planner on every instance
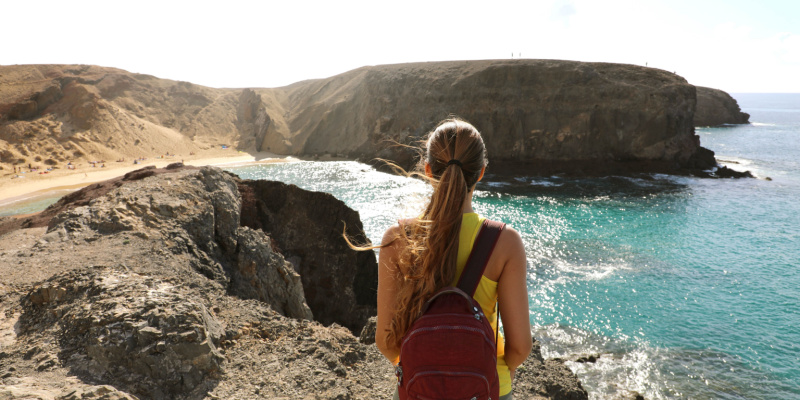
(33, 184)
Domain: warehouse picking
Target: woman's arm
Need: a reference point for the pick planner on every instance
(512, 292)
(387, 292)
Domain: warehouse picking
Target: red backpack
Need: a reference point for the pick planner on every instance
(450, 351)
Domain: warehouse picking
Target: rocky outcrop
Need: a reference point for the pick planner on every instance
(77, 113)
(194, 212)
(340, 284)
(154, 289)
(716, 107)
(151, 336)
(252, 120)
(529, 111)
(538, 116)
(549, 379)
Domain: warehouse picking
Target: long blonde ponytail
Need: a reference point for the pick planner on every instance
(455, 157)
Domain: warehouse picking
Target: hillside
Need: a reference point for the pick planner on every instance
(541, 116)
(54, 114)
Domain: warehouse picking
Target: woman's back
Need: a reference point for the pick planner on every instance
(429, 253)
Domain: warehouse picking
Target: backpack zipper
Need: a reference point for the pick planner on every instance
(450, 373)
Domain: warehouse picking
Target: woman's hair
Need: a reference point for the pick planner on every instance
(427, 263)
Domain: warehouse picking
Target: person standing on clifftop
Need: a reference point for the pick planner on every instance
(420, 256)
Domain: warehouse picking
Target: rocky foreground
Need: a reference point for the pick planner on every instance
(537, 116)
(191, 284)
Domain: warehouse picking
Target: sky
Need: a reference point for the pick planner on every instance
(735, 45)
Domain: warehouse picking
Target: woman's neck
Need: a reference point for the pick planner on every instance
(467, 208)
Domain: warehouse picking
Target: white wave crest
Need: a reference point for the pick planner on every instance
(623, 365)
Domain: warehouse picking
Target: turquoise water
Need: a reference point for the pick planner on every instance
(31, 203)
(687, 288)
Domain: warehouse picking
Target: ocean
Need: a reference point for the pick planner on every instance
(686, 288)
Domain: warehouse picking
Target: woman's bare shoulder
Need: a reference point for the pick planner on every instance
(509, 237)
(510, 243)
(392, 233)
(509, 250)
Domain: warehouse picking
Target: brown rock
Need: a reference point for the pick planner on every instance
(147, 311)
(715, 107)
(548, 379)
(529, 111)
(340, 284)
(546, 115)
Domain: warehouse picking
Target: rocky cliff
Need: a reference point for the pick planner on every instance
(542, 116)
(529, 111)
(715, 107)
(188, 283)
(54, 114)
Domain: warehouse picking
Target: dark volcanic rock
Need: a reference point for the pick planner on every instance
(155, 291)
(277, 286)
(340, 284)
(529, 111)
(715, 107)
(549, 379)
(367, 335)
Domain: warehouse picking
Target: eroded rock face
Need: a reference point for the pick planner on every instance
(146, 334)
(340, 284)
(548, 115)
(527, 110)
(279, 286)
(144, 299)
(716, 107)
(253, 121)
(193, 212)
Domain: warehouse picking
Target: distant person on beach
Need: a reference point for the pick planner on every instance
(420, 256)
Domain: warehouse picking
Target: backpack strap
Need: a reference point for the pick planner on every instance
(479, 257)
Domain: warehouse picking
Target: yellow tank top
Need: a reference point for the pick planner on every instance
(485, 294)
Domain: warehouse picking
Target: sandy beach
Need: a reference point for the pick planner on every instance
(18, 186)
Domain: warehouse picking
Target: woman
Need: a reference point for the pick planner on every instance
(420, 256)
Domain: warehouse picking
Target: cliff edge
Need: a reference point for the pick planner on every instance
(188, 283)
(539, 116)
(716, 107)
(530, 112)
